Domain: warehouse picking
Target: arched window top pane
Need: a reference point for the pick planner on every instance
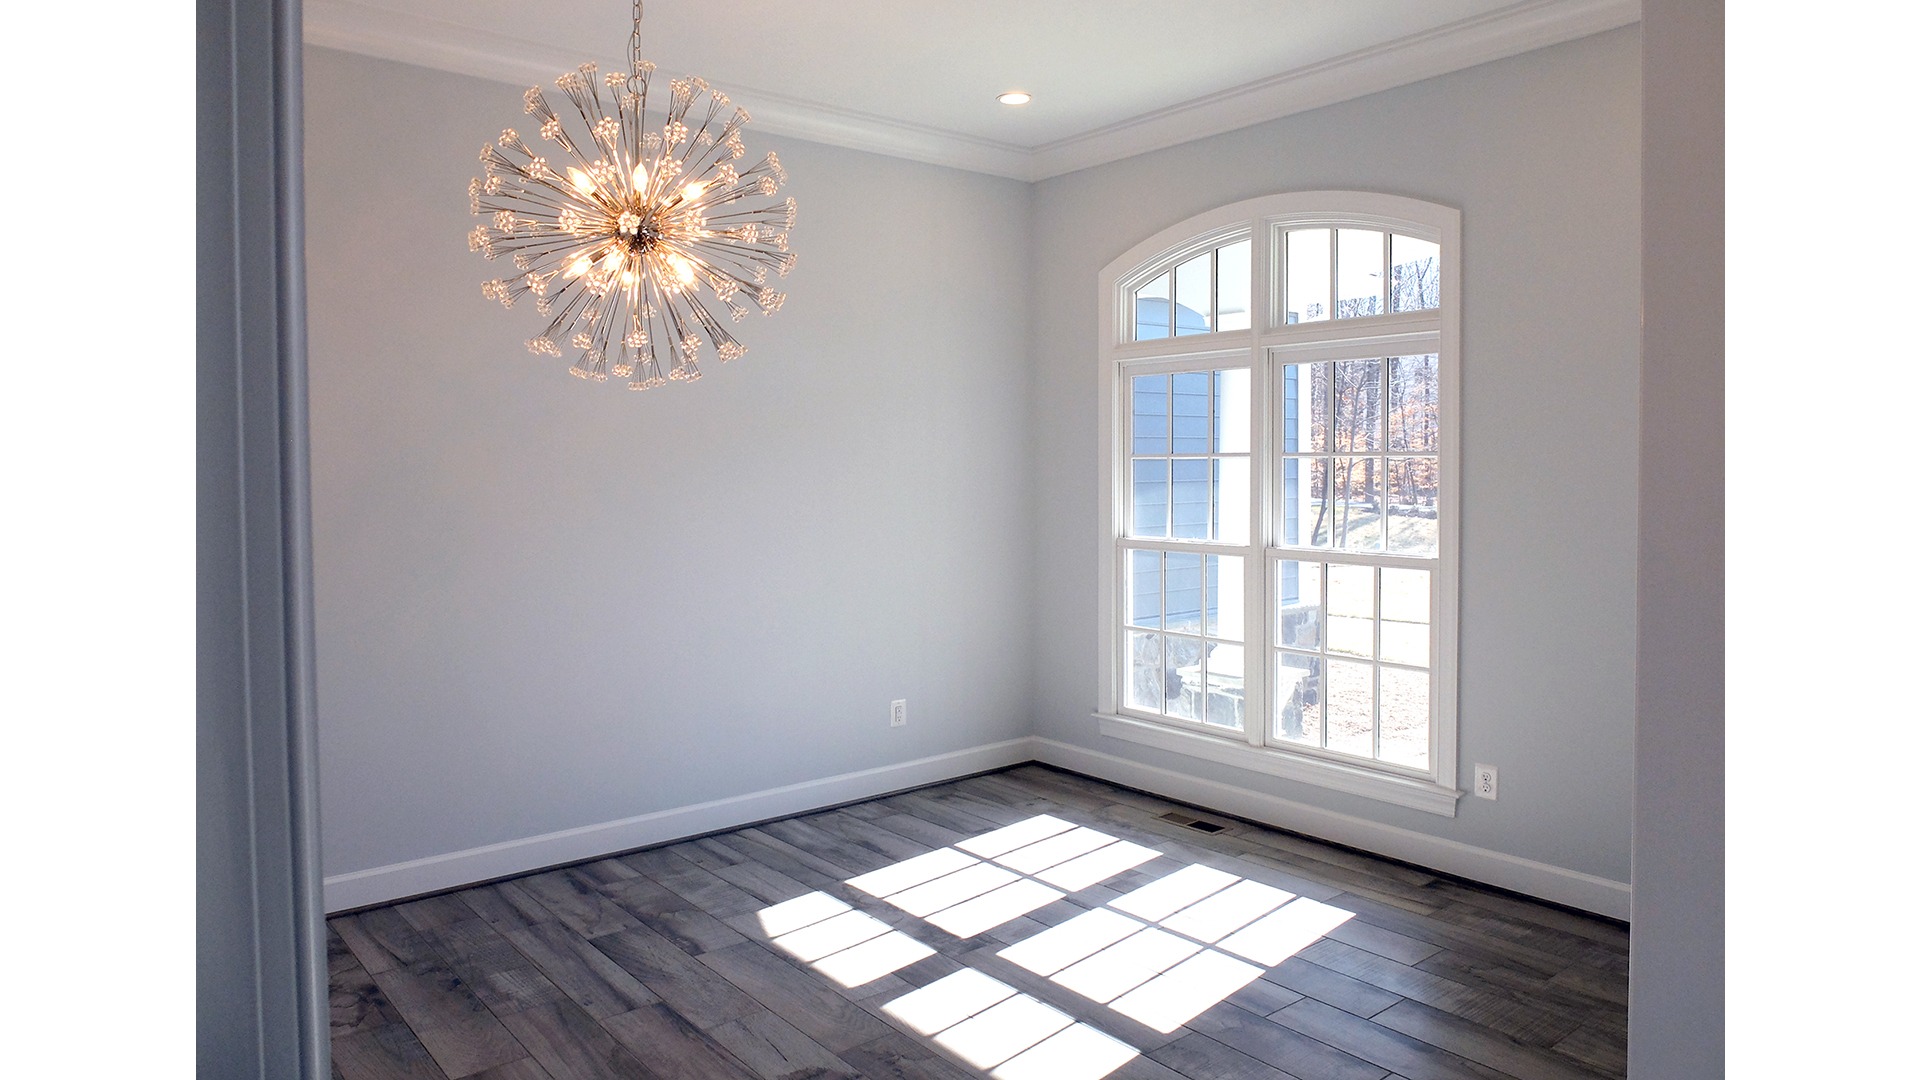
(1414, 274)
(1151, 305)
(1343, 272)
(1204, 292)
(1234, 291)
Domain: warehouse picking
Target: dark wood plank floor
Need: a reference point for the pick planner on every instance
(661, 964)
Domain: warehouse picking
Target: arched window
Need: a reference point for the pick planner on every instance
(1280, 459)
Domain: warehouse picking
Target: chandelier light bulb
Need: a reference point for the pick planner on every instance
(630, 250)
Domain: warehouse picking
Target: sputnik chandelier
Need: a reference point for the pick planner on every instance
(623, 247)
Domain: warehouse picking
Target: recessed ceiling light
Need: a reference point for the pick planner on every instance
(1015, 97)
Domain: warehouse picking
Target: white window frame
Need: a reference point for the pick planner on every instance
(1267, 344)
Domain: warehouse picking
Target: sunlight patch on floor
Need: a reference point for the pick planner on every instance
(1275, 937)
(1000, 1031)
(1186, 990)
(1097, 866)
(1226, 911)
(1003, 840)
(851, 947)
(1158, 954)
(1003, 905)
(945, 892)
(831, 935)
(1054, 850)
(871, 959)
(1159, 899)
(1072, 941)
(918, 870)
(785, 918)
(947, 1001)
(1079, 1052)
(987, 1024)
(1126, 964)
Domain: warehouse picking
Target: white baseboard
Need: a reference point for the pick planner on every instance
(1553, 883)
(380, 884)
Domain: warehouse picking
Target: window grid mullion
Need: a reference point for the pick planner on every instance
(1333, 273)
(1203, 547)
(1213, 468)
(1276, 293)
(1351, 557)
(1387, 288)
(1256, 631)
(1380, 433)
(1164, 629)
(1200, 708)
(1374, 666)
(1167, 523)
(1388, 664)
(1214, 291)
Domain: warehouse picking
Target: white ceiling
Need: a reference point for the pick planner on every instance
(917, 78)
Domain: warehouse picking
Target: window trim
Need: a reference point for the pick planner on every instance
(1262, 347)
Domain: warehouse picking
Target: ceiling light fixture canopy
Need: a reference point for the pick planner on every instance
(638, 225)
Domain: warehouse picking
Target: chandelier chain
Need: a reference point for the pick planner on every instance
(633, 48)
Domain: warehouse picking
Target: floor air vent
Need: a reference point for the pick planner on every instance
(1192, 822)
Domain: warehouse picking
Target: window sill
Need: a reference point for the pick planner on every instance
(1423, 795)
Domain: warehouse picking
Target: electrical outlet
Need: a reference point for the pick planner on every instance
(1487, 780)
(897, 715)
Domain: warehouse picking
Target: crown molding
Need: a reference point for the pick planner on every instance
(412, 39)
(464, 50)
(1494, 36)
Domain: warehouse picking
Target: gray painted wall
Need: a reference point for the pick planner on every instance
(1541, 155)
(544, 604)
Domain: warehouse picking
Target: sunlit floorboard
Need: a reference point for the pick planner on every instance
(1025, 924)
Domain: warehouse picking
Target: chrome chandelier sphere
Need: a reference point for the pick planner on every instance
(639, 229)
